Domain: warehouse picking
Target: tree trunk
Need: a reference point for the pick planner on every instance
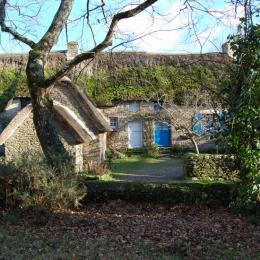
(190, 135)
(52, 147)
(195, 144)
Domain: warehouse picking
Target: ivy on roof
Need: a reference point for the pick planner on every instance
(133, 83)
(142, 83)
(12, 83)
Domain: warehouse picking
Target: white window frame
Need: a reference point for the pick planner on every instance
(113, 122)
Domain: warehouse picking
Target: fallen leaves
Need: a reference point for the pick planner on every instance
(194, 232)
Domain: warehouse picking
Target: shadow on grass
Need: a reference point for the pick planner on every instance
(147, 169)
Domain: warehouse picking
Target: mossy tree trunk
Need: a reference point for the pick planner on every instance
(51, 144)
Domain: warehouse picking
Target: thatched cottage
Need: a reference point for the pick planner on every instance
(81, 127)
(121, 103)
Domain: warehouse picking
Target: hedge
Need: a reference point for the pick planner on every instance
(213, 194)
(210, 166)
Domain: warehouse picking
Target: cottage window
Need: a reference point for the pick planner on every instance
(113, 122)
(134, 107)
(203, 124)
(157, 107)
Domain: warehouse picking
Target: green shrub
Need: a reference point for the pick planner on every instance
(210, 166)
(112, 154)
(98, 169)
(213, 194)
(136, 151)
(30, 183)
(152, 151)
(248, 198)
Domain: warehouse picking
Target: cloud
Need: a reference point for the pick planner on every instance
(153, 32)
(174, 32)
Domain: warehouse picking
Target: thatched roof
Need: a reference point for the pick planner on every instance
(94, 123)
(86, 108)
(118, 60)
(15, 123)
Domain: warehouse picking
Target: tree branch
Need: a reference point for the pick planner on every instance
(108, 40)
(14, 33)
(59, 20)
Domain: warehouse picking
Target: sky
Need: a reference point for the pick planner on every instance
(171, 28)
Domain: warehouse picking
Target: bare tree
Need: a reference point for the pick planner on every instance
(35, 70)
(196, 119)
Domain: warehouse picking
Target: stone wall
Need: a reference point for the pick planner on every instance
(94, 151)
(118, 139)
(24, 141)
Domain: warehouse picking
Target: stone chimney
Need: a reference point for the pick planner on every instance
(73, 50)
(227, 49)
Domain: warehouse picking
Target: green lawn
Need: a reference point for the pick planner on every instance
(142, 169)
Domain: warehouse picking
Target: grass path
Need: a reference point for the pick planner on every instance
(147, 169)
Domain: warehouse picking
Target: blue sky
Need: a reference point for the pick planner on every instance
(173, 31)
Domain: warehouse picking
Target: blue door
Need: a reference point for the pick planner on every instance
(162, 134)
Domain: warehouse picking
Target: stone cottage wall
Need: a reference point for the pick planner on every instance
(118, 139)
(24, 141)
(94, 151)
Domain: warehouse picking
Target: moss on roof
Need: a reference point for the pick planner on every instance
(12, 83)
(142, 83)
(128, 83)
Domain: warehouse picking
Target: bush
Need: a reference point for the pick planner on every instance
(152, 151)
(213, 194)
(98, 169)
(115, 154)
(30, 183)
(210, 167)
(248, 198)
